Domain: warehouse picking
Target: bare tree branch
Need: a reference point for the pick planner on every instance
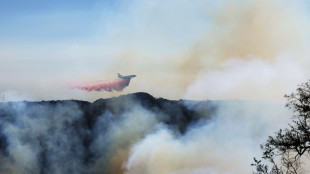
(290, 144)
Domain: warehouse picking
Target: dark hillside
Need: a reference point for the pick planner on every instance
(56, 132)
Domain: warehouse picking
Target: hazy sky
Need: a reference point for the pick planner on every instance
(246, 49)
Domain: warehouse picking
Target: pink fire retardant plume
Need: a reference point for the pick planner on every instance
(107, 85)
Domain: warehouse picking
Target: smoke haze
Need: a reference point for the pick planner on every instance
(172, 45)
(253, 50)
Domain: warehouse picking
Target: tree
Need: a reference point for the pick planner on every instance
(287, 149)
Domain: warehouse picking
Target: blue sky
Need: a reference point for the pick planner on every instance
(86, 40)
(34, 20)
(53, 21)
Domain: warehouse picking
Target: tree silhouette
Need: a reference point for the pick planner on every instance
(288, 148)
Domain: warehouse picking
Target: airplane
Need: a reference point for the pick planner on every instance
(107, 85)
(125, 77)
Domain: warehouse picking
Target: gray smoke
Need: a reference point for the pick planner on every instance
(42, 139)
(127, 136)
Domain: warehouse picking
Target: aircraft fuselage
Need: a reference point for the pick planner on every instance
(125, 77)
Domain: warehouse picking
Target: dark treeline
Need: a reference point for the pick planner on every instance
(75, 136)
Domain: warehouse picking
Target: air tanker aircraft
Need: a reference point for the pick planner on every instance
(126, 77)
(106, 85)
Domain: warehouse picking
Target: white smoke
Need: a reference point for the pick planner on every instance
(225, 144)
(252, 78)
